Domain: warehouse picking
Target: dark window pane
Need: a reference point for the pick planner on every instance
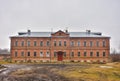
(78, 54)
(35, 43)
(97, 54)
(28, 53)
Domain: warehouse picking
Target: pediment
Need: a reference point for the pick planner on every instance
(60, 33)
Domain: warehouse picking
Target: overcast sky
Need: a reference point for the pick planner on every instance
(42, 15)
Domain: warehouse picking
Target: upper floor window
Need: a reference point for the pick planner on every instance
(41, 43)
(28, 43)
(85, 44)
(65, 43)
(78, 43)
(103, 43)
(104, 54)
(97, 43)
(35, 43)
(97, 54)
(35, 54)
(28, 53)
(47, 54)
(22, 43)
(72, 43)
(91, 54)
(91, 43)
(60, 43)
(78, 54)
(16, 54)
(48, 43)
(16, 43)
(22, 54)
(64, 54)
(85, 54)
(41, 54)
(55, 43)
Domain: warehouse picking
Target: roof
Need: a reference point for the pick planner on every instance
(48, 34)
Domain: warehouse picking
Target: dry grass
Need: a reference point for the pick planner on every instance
(93, 72)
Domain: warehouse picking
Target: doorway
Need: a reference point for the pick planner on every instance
(60, 56)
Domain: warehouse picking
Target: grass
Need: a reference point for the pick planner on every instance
(93, 72)
(79, 71)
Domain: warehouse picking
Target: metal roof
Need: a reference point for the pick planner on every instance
(48, 34)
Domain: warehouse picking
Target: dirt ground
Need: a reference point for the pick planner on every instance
(60, 72)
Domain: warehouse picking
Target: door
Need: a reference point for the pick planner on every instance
(60, 56)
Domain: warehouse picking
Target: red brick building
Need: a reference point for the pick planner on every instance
(60, 46)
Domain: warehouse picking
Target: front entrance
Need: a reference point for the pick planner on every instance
(60, 55)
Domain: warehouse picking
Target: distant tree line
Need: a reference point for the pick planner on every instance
(115, 57)
(4, 51)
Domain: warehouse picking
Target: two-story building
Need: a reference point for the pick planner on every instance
(60, 46)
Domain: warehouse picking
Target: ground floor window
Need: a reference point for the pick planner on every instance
(55, 54)
(41, 54)
(35, 54)
(22, 54)
(78, 54)
(16, 54)
(72, 54)
(64, 54)
(91, 54)
(85, 54)
(103, 54)
(47, 54)
(28, 53)
(97, 54)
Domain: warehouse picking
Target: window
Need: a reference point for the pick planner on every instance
(64, 54)
(78, 54)
(16, 54)
(54, 43)
(85, 54)
(55, 54)
(16, 43)
(72, 43)
(91, 54)
(60, 44)
(41, 43)
(78, 43)
(22, 54)
(28, 43)
(35, 43)
(28, 53)
(65, 43)
(72, 54)
(104, 54)
(103, 43)
(22, 43)
(35, 54)
(97, 43)
(41, 54)
(48, 43)
(47, 54)
(84, 43)
(91, 43)
(97, 54)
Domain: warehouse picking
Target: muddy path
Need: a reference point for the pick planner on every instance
(41, 72)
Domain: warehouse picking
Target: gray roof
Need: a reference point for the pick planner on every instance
(48, 34)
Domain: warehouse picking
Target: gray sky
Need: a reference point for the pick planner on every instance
(42, 15)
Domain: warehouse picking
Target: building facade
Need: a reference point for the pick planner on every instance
(60, 46)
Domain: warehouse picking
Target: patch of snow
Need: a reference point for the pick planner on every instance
(106, 67)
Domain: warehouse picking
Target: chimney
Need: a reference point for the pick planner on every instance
(66, 31)
(29, 32)
(88, 31)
